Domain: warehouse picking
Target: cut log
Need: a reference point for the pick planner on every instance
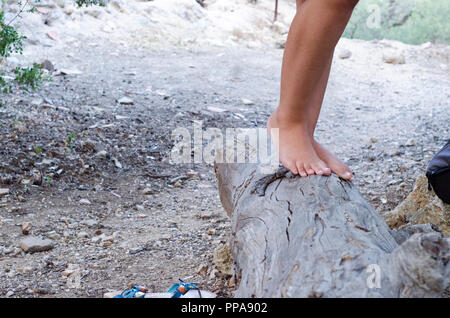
(318, 237)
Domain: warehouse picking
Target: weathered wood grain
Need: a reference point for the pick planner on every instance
(318, 237)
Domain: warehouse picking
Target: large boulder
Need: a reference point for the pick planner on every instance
(420, 207)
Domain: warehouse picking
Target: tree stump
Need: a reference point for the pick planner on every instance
(318, 237)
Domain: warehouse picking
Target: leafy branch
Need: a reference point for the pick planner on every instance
(24, 78)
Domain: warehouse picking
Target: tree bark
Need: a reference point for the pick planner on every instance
(318, 237)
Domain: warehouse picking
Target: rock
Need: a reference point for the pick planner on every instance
(117, 163)
(37, 102)
(107, 238)
(425, 45)
(52, 18)
(4, 191)
(108, 28)
(165, 237)
(68, 11)
(207, 214)
(213, 274)
(410, 143)
(212, 232)
(101, 154)
(191, 174)
(43, 289)
(34, 244)
(147, 191)
(280, 44)
(420, 206)
(83, 235)
(125, 101)
(87, 146)
(216, 109)
(344, 54)
(202, 269)
(117, 4)
(91, 223)
(223, 259)
(53, 235)
(83, 187)
(47, 65)
(65, 71)
(26, 228)
(68, 272)
(52, 35)
(9, 294)
(162, 93)
(96, 239)
(247, 101)
(393, 57)
(85, 202)
(93, 12)
(25, 270)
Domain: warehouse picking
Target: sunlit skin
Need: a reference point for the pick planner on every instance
(312, 38)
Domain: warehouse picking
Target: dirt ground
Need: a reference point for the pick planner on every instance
(147, 221)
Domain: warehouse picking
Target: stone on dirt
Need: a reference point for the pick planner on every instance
(26, 228)
(83, 235)
(48, 65)
(147, 191)
(85, 202)
(126, 101)
(4, 191)
(247, 101)
(393, 57)
(223, 259)
(52, 35)
(344, 54)
(35, 244)
(66, 71)
(202, 269)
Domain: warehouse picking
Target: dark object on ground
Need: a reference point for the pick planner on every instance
(438, 173)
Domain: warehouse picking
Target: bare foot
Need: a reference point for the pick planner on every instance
(296, 149)
(336, 165)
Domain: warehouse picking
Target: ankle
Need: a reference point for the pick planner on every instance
(283, 119)
(283, 115)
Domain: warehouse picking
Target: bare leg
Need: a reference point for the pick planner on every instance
(314, 33)
(336, 165)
